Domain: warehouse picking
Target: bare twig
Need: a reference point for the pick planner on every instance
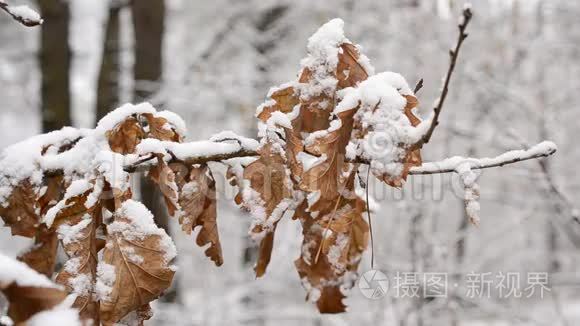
(418, 86)
(22, 14)
(454, 54)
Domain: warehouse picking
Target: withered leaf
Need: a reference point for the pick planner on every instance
(78, 275)
(21, 214)
(42, 256)
(349, 71)
(25, 301)
(333, 245)
(413, 156)
(269, 180)
(54, 191)
(285, 100)
(125, 136)
(159, 128)
(164, 177)
(327, 176)
(139, 272)
(27, 292)
(197, 197)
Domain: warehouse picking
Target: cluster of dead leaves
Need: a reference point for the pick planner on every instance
(112, 273)
(26, 300)
(81, 223)
(322, 195)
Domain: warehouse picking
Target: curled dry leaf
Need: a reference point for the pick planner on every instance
(135, 267)
(267, 197)
(197, 198)
(42, 256)
(413, 156)
(76, 225)
(125, 136)
(284, 101)
(164, 177)
(21, 214)
(159, 128)
(316, 134)
(25, 301)
(78, 275)
(349, 71)
(328, 176)
(27, 292)
(331, 251)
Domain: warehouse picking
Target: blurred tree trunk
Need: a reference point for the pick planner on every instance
(108, 83)
(55, 60)
(148, 24)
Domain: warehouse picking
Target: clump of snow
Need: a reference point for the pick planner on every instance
(81, 284)
(130, 253)
(139, 225)
(113, 118)
(201, 149)
(246, 143)
(13, 271)
(322, 60)
(151, 146)
(175, 120)
(335, 251)
(544, 148)
(111, 166)
(24, 160)
(381, 113)
(471, 196)
(26, 14)
(76, 188)
(72, 233)
(309, 161)
(105, 280)
(190, 188)
(365, 62)
(57, 316)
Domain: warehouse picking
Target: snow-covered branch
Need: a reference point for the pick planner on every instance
(454, 54)
(214, 150)
(543, 149)
(23, 14)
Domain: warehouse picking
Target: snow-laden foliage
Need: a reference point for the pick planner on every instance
(73, 186)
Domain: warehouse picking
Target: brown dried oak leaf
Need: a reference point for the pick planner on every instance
(197, 198)
(135, 268)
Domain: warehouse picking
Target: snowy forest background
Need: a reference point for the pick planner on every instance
(516, 82)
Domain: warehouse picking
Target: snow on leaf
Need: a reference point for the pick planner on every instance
(283, 99)
(78, 235)
(73, 204)
(125, 136)
(21, 214)
(130, 284)
(327, 176)
(385, 126)
(331, 250)
(164, 177)
(159, 128)
(197, 198)
(27, 291)
(42, 255)
(267, 197)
